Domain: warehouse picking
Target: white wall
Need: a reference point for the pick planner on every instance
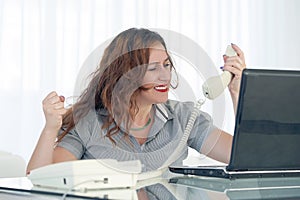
(43, 44)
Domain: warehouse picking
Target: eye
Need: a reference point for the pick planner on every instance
(151, 67)
(167, 65)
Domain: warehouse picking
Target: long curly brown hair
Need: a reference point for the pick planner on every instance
(124, 60)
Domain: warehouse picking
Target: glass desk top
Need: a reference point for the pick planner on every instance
(177, 188)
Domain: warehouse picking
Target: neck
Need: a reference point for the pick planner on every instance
(143, 115)
(144, 112)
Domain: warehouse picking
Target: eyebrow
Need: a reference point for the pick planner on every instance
(159, 62)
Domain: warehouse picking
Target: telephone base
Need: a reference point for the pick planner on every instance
(87, 174)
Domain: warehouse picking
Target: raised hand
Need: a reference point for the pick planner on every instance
(235, 65)
(53, 107)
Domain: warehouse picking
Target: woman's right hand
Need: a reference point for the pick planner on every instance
(53, 107)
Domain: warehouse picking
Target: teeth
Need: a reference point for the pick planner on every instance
(161, 87)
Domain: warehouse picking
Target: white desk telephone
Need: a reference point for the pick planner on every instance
(91, 174)
(109, 173)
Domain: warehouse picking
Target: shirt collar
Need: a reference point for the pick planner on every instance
(162, 112)
(162, 115)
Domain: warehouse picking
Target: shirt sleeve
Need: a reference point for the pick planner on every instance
(73, 143)
(202, 128)
(77, 139)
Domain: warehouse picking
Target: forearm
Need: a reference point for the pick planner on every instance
(43, 152)
(218, 146)
(235, 99)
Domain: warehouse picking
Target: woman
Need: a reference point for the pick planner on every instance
(125, 113)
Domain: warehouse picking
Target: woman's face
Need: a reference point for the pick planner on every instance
(157, 78)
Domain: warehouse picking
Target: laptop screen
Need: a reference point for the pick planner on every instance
(267, 130)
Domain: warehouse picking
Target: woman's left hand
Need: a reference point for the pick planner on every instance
(235, 65)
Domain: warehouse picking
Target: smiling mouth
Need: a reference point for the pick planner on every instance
(161, 88)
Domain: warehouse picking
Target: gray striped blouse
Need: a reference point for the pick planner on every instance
(87, 140)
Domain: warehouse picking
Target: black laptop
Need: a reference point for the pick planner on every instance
(266, 141)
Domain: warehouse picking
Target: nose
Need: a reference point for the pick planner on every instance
(165, 74)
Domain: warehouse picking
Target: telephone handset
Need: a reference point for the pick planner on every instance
(214, 86)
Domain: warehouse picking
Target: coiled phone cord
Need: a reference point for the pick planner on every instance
(181, 145)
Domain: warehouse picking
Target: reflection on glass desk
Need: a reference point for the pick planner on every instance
(177, 188)
(252, 188)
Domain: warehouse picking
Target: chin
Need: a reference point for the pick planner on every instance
(162, 100)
